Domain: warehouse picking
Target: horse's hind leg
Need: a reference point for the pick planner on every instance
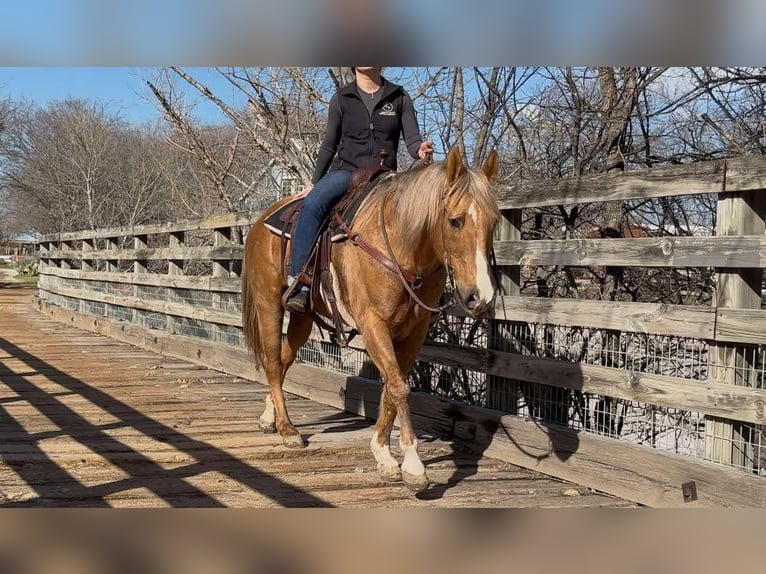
(270, 325)
(298, 331)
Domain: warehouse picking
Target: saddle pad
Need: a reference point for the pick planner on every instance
(277, 221)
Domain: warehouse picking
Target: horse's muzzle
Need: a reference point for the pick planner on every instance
(473, 304)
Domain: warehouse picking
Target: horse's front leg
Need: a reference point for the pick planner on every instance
(394, 401)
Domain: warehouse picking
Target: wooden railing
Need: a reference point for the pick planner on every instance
(174, 288)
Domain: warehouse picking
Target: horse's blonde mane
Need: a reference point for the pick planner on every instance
(415, 197)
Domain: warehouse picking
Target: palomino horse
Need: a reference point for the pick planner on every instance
(438, 219)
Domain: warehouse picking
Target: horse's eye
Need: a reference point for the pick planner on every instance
(455, 223)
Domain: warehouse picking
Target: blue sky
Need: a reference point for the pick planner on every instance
(123, 89)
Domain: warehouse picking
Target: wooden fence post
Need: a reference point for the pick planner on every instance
(87, 245)
(739, 213)
(64, 246)
(175, 267)
(221, 268)
(42, 264)
(139, 266)
(501, 393)
(111, 264)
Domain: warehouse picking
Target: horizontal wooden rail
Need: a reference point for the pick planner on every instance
(654, 318)
(737, 403)
(707, 323)
(173, 308)
(206, 283)
(230, 252)
(740, 326)
(212, 222)
(741, 174)
(746, 251)
(635, 472)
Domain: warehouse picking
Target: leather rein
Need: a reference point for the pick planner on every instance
(409, 281)
(408, 285)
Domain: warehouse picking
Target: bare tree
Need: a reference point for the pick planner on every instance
(76, 165)
(283, 119)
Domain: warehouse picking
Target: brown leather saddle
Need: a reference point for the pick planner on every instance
(316, 272)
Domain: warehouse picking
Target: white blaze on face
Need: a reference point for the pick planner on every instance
(483, 276)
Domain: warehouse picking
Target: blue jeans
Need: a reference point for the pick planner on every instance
(316, 207)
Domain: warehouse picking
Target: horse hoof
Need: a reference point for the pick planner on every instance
(389, 473)
(415, 482)
(268, 428)
(294, 441)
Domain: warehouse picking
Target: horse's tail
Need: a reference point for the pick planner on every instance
(250, 320)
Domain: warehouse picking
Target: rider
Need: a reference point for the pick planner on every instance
(365, 118)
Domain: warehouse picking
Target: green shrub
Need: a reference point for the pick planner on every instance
(27, 267)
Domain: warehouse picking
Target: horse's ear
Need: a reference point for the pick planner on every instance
(455, 166)
(490, 166)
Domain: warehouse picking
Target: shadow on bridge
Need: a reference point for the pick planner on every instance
(49, 480)
(548, 416)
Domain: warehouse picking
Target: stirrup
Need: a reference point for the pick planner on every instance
(299, 302)
(292, 290)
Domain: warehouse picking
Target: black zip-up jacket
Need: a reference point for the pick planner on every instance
(355, 137)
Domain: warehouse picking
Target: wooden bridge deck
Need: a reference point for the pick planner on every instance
(88, 421)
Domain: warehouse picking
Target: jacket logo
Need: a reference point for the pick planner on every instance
(387, 110)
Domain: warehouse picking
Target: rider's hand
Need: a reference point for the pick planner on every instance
(426, 151)
(305, 191)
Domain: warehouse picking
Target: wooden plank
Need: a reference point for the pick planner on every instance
(655, 318)
(166, 307)
(708, 397)
(206, 283)
(740, 326)
(746, 174)
(216, 221)
(744, 251)
(742, 174)
(634, 472)
(173, 253)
